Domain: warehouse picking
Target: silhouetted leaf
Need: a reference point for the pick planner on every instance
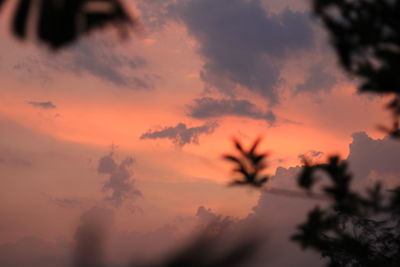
(61, 22)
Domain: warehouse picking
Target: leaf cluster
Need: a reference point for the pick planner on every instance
(366, 37)
(60, 22)
(249, 165)
(355, 229)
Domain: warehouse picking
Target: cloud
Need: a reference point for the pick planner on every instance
(67, 202)
(242, 44)
(310, 155)
(207, 107)
(34, 251)
(278, 217)
(15, 161)
(43, 105)
(120, 183)
(318, 80)
(373, 156)
(181, 134)
(96, 57)
(101, 60)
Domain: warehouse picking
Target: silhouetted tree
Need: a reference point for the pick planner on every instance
(355, 230)
(366, 37)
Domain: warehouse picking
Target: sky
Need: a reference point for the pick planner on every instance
(137, 127)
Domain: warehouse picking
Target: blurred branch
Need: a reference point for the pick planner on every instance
(60, 22)
(249, 165)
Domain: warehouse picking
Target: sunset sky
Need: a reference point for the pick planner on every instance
(138, 126)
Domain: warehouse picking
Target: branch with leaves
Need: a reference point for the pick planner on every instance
(249, 164)
(355, 229)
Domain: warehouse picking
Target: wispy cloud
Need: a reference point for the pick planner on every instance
(207, 107)
(43, 105)
(181, 134)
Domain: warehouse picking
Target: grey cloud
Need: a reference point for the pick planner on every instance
(207, 107)
(15, 161)
(43, 105)
(242, 44)
(318, 80)
(281, 214)
(155, 13)
(120, 183)
(67, 202)
(206, 214)
(96, 57)
(310, 155)
(369, 155)
(181, 134)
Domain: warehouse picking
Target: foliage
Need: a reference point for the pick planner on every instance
(355, 229)
(61, 22)
(206, 251)
(249, 165)
(366, 37)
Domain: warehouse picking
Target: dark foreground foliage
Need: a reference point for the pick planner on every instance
(206, 251)
(366, 37)
(249, 165)
(355, 230)
(61, 22)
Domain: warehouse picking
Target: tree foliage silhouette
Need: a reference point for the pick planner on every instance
(60, 22)
(355, 229)
(249, 165)
(366, 37)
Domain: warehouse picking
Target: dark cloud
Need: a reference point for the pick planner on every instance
(310, 155)
(207, 107)
(43, 105)
(120, 183)
(100, 60)
(96, 57)
(318, 80)
(181, 134)
(242, 44)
